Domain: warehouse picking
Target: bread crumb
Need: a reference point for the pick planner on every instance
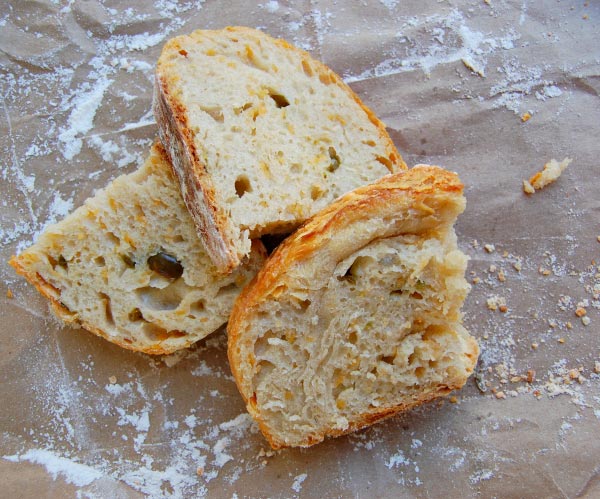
(561, 340)
(453, 399)
(597, 367)
(580, 312)
(525, 117)
(200, 471)
(493, 268)
(586, 321)
(476, 280)
(501, 276)
(569, 325)
(530, 375)
(500, 395)
(516, 379)
(573, 374)
(517, 265)
(493, 302)
(112, 380)
(527, 187)
(585, 17)
(552, 170)
(534, 346)
(503, 308)
(490, 248)
(9, 294)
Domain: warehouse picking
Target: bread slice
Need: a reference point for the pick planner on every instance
(128, 265)
(261, 135)
(356, 316)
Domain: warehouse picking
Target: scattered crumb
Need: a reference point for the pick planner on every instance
(580, 312)
(597, 367)
(503, 308)
(598, 238)
(494, 302)
(585, 321)
(490, 248)
(493, 268)
(525, 117)
(500, 395)
(200, 471)
(569, 325)
(501, 276)
(112, 380)
(534, 346)
(561, 340)
(9, 294)
(476, 280)
(517, 265)
(530, 375)
(527, 187)
(453, 399)
(552, 170)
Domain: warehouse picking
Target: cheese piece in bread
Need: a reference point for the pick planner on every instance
(261, 135)
(356, 316)
(128, 265)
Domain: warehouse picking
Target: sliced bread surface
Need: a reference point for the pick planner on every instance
(128, 265)
(261, 135)
(356, 316)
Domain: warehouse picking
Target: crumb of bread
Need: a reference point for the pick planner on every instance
(501, 276)
(490, 248)
(534, 346)
(586, 321)
(530, 375)
(200, 471)
(500, 395)
(561, 340)
(518, 265)
(453, 399)
(525, 117)
(597, 367)
(527, 187)
(580, 312)
(9, 294)
(112, 380)
(552, 170)
(495, 302)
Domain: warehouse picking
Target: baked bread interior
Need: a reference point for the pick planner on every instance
(261, 135)
(356, 316)
(129, 267)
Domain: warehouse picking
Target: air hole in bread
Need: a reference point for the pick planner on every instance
(242, 185)
(280, 100)
(386, 162)
(388, 359)
(295, 168)
(197, 307)
(216, 113)
(230, 288)
(58, 262)
(158, 299)
(334, 160)
(100, 261)
(128, 261)
(307, 68)
(397, 292)
(416, 295)
(353, 337)
(107, 308)
(316, 192)
(113, 238)
(245, 107)
(135, 315)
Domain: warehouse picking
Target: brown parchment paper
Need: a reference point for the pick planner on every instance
(453, 80)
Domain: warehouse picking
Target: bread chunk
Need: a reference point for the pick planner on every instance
(356, 316)
(128, 265)
(261, 135)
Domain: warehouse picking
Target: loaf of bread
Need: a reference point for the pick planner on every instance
(128, 265)
(356, 316)
(261, 136)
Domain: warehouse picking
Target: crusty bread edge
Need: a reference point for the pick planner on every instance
(415, 184)
(196, 186)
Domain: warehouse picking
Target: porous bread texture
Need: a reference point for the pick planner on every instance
(356, 316)
(94, 265)
(261, 135)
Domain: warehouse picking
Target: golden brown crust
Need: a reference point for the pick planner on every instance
(385, 198)
(196, 186)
